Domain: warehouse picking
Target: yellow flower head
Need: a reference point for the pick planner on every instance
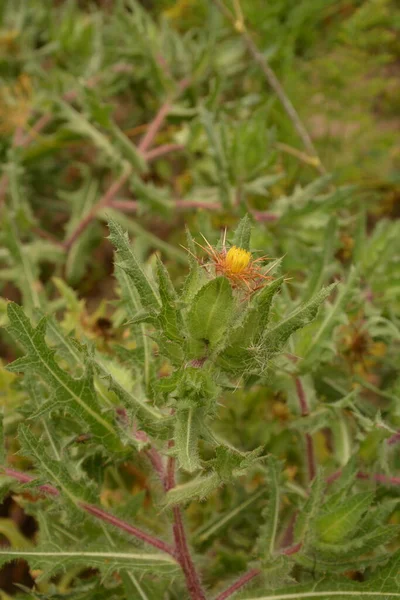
(237, 259)
(238, 266)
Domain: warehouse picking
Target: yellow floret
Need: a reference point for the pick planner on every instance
(237, 259)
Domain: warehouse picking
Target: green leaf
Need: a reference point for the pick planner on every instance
(141, 588)
(170, 316)
(195, 278)
(134, 402)
(187, 431)
(276, 337)
(305, 520)
(2, 439)
(383, 585)
(219, 523)
(76, 396)
(36, 392)
(131, 300)
(128, 149)
(339, 523)
(230, 463)
(241, 237)
(27, 272)
(268, 531)
(215, 134)
(311, 354)
(128, 262)
(154, 197)
(210, 312)
(81, 125)
(359, 545)
(237, 354)
(199, 488)
(54, 559)
(323, 260)
(52, 470)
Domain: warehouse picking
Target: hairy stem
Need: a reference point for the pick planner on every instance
(156, 124)
(181, 546)
(112, 191)
(97, 512)
(104, 201)
(378, 477)
(235, 587)
(162, 151)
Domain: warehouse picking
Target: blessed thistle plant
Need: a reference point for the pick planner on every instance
(148, 405)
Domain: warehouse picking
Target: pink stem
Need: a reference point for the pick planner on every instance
(302, 397)
(393, 439)
(124, 526)
(311, 464)
(181, 546)
(378, 477)
(159, 119)
(292, 549)
(157, 463)
(162, 150)
(235, 587)
(97, 512)
(265, 217)
(104, 201)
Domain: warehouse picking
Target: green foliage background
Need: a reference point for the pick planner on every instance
(299, 386)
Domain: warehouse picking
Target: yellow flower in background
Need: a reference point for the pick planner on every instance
(179, 9)
(8, 40)
(15, 104)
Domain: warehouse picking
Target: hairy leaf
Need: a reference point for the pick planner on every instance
(210, 312)
(76, 396)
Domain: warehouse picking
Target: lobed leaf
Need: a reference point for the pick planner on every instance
(76, 396)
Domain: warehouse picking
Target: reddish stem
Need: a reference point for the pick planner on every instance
(124, 526)
(265, 217)
(47, 236)
(185, 560)
(292, 549)
(302, 397)
(393, 439)
(287, 538)
(181, 546)
(378, 477)
(104, 201)
(162, 150)
(311, 463)
(97, 512)
(157, 463)
(239, 584)
(159, 119)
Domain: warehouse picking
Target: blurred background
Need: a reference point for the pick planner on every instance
(161, 114)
